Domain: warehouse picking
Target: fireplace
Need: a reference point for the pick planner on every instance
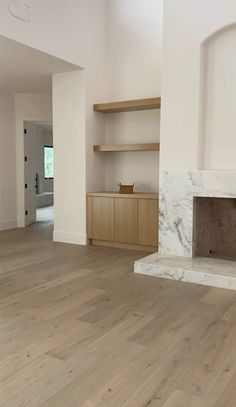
(214, 228)
(197, 229)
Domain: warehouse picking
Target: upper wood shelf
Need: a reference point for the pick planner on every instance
(126, 147)
(128, 105)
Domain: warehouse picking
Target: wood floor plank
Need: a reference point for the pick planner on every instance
(228, 396)
(179, 398)
(79, 329)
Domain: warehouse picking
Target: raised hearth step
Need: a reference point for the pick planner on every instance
(197, 270)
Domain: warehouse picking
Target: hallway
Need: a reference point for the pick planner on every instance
(45, 214)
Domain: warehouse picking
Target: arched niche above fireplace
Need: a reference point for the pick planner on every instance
(218, 149)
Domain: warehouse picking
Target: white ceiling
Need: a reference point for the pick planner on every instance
(27, 70)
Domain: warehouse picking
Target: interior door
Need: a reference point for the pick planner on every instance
(30, 178)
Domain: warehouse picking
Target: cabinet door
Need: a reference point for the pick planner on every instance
(148, 222)
(89, 217)
(103, 218)
(126, 220)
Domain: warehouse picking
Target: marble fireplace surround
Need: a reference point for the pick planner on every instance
(176, 205)
(176, 211)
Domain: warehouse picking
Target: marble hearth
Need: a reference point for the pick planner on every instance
(198, 270)
(175, 258)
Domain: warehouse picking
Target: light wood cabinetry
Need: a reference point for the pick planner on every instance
(126, 212)
(103, 218)
(90, 217)
(129, 221)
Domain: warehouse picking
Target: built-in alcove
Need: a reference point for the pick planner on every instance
(214, 228)
(218, 100)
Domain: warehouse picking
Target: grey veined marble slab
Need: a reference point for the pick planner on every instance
(177, 192)
(198, 270)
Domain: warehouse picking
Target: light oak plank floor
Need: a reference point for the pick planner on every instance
(79, 329)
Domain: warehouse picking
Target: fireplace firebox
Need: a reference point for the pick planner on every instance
(214, 228)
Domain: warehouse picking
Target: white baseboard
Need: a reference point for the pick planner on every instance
(8, 224)
(72, 238)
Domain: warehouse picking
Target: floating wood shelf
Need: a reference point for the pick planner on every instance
(128, 105)
(126, 147)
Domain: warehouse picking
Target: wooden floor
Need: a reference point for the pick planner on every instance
(79, 329)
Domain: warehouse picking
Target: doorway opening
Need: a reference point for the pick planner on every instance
(38, 172)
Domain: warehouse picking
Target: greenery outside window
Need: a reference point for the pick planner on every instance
(48, 162)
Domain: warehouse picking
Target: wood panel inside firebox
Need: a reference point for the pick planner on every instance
(215, 228)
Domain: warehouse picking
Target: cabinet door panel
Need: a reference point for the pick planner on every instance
(89, 217)
(148, 222)
(126, 220)
(103, 218)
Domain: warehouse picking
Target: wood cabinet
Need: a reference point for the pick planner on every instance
(103, 218)
(89, 217)
(126, 212)
(129, 221)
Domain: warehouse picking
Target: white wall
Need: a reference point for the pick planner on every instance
(142, 168)
(69, 158)
(134, 46)
(219, 93)
(187, 24)
(27, 108)
(8, 218)
(75, 31)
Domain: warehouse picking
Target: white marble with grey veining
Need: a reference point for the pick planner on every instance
(177, 191)
(175, 260)
(198, 270)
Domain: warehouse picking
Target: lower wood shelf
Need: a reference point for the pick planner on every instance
(126, 147)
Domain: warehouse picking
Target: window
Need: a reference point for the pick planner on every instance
(48, 162)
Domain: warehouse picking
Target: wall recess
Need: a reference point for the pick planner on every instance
(219, 95)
